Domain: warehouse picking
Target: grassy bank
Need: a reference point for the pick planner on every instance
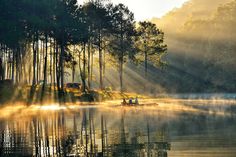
(29, 95)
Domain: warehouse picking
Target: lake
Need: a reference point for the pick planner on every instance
(164, 127)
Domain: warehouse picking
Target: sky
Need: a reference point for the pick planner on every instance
(147, 9)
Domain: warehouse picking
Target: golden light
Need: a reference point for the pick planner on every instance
(52, 107)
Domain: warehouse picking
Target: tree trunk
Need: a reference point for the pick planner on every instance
(121, 75)
(80, 69)
(45, 67)
(13, 66)
(57, 68)
(100, 62)
(54, 64)
(51, 52)
(104, 64)
(62, 67)
(146, 64)
(34, 64)
(17, 58)
(84, 69)
(38, 60)
(8, 65)
(121, 62)
(91, 73)
(89, 68)
(73, 66)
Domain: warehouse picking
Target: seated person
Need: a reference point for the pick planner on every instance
(124, 102)
(136, 101)
(131, 101)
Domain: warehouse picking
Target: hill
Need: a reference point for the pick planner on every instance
(201, 36)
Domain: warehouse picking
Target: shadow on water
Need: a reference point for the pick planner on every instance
(121, 132)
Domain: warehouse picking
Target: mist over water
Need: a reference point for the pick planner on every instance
(188, 127)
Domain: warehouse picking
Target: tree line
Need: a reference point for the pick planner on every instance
(39, 39)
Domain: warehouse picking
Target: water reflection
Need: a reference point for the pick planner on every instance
(189, 130)
(78, 134)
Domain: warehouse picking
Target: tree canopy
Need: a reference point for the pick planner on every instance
(38, 38)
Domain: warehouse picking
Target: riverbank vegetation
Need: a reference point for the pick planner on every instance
(42, 42)
(21, 94)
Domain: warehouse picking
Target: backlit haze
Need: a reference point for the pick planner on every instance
(147, 9)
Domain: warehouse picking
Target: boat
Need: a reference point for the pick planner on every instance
(139, 104)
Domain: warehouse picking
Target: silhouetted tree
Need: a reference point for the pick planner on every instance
(121, 41)
(99, 24)
(150, 44)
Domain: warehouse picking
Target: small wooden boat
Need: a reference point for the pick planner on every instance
(143, 104)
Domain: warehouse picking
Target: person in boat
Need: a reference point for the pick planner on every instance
(124, 101)
(136, 101)
(130, 101)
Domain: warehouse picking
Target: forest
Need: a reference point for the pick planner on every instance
(46, 42)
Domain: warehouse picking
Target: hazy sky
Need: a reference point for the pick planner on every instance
(146, 9)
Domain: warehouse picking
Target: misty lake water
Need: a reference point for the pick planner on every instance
(171, 127)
